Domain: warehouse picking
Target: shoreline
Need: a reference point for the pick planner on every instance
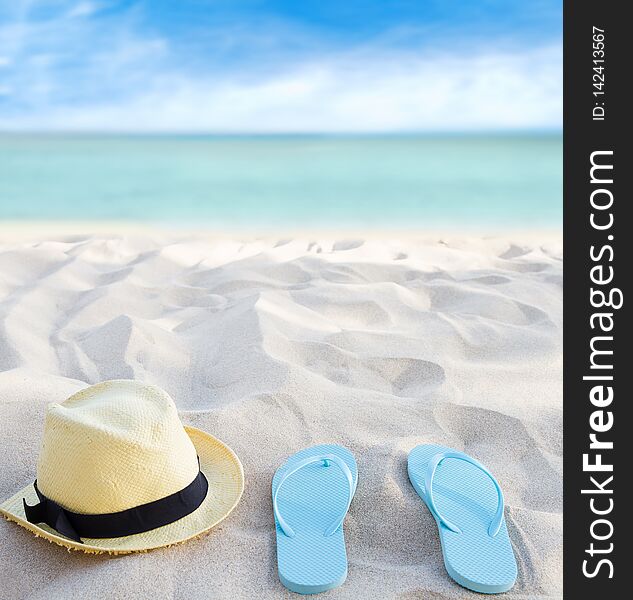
(25, 230)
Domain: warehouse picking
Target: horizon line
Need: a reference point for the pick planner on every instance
(184, 133)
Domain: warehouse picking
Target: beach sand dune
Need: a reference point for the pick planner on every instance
(275, 344)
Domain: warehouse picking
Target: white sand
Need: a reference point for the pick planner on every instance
(274, 345)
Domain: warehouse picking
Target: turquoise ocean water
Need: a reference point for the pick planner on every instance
(463, 181)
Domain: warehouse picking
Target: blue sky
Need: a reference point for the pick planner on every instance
(280, 66)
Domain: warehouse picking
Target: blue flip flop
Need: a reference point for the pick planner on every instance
(312, 493)
(467, 504)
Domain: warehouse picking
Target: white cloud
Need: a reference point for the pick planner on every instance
(83, 9)
(106, 73)
(442, 92)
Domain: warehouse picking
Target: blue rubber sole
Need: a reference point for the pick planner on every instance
(467, 497)
(310, 500)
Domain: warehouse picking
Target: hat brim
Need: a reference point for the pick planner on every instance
(225, 475)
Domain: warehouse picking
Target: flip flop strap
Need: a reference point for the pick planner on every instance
(495, 524)
(325, 459)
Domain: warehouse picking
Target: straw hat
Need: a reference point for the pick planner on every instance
(119, 473)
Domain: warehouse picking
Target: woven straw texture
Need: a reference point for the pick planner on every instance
(120, 444)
